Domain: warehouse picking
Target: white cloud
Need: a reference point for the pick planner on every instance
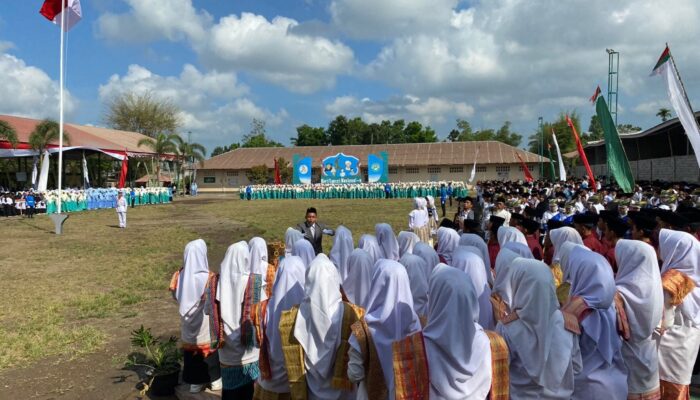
(428, 111)
(371, 19)
(213, 105)
(28, 91)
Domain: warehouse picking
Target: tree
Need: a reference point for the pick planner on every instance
(310, 136)
(8, 133)
(188, 152)
(161, 144)
(595, 130)
(664, 114)
(628, 128)
(225, 149)
(45, 133)
(561, 129)
(464, 133)
(257, 136)
(143, 114)
(259, 174)
(286, 172)
(338, 131)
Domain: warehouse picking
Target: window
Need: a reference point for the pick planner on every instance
(412, 170)
(480, 168)
(393, 170)
(521, 169)
(209, 179)
(231, 173)
(503, 169)
(434, 170)
(456, 169)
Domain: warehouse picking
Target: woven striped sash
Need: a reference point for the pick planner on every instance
(500, 381)
(411, 377)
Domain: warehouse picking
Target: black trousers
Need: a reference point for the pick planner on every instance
(199, 369)
(244, 392)
(443, 209)
(30, 212)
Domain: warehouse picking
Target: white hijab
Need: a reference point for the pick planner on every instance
(369, 244)
(487, 267)
(287, 292)
(193, 277)
(519, 248)
(318, 323)
(407, 241)
(538, 336)
(416, 267)
(560, 236)
(290, 237)
(563, 256)
(470, 263)
(504, 268)
(235, 271)
(638, 280)
(427, 253)
(509, 234)
(681, 251)
(471, 239)
(387, 241)
(342, 247)
(420, 214)
(390, 316)
(458, 350)
(304, 249)
(592, 279)
(358, 280)
(448, 240)
(258, 256)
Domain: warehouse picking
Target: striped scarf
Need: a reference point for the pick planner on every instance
(250, 297)
(216, 328)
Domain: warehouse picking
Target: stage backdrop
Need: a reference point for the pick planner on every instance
(378, 167)
(302, 170)
(341, 168)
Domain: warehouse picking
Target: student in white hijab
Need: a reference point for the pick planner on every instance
(472, 239)
(358, 279)
(458, 350)
(510, 234)
(418, 219)
(562, 235)
(428, 254)
(519, 248)
(416, 267)
(318, 328)
(543, 355)
(389, 318)
(470, 263)
(678, 346)
(305, 250)
(291, 236)
(370, 244)
(259, 261)
(487, 267)
(239, 362)
(342, 247)
(387, 241)
(604, 374)
(287, 292)
(407, 241)
(201, 362)
(640, 292)
(502, 288)
(448, 240)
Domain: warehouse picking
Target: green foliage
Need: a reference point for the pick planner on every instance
(628, 128)
(8, 133)
(595, 130)
(464, 133)
(143, 114)
(664, 114)
(259, 174)
(224, 149)
(561, 130)
(355, 131)
(45, 133)
(159, 356)
(257, 136)
(286, 172)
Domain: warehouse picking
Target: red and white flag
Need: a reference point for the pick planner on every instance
(52, 11)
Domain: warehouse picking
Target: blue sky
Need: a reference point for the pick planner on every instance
(305, 61)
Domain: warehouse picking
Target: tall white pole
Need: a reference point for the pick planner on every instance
(60, 112)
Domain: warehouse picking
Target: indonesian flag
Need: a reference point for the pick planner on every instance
(52, 10)
(581, 153)
(526, 170)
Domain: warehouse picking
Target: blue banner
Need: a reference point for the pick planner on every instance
(302, 170)
(378, 167)
(340, 168)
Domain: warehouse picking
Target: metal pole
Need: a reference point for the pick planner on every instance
(60, 112)
(540, 123)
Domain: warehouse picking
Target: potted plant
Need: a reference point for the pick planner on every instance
(161, 360)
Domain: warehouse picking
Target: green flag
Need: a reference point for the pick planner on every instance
(551, 162)
(618, 165)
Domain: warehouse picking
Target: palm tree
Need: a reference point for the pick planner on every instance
(189, 152)
(8, 133)
(45, 133)
(161, 144)
(664, 114)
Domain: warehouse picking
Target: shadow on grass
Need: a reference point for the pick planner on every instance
(38, 228)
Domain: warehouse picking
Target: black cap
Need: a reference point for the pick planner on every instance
(516, 217)
(674, 219)
(471, 224)
(496, 220)
(447, 223)
(554, 224)
(501, 200)
(618, 226)
(587, 219)
(642, 221)
(530, 225)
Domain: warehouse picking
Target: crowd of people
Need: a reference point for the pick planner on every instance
(401, 190)
(29, 202)
(511, 298)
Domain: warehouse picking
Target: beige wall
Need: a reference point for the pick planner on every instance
(231, 180)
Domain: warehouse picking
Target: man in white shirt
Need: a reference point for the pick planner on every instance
(121, 209)
(500, 210)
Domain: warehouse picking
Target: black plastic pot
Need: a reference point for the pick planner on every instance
(164, 383)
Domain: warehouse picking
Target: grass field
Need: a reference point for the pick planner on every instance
(67, 297)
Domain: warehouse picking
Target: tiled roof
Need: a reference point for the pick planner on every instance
(412, 154)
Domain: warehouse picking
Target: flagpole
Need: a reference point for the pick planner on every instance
(60, 112)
